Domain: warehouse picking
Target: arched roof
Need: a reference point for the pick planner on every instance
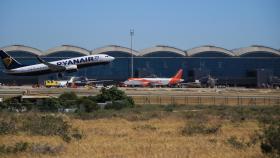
(162, 48)
(67, 48)
(159, 48)
(207, 48)
(255, 49)
(114, 48)
(22, 48)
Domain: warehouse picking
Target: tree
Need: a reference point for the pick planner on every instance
(68, 100)
(68, 96)
(111, 94)
(118, 98)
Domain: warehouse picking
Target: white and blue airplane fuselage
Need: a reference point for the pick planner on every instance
(67, 65)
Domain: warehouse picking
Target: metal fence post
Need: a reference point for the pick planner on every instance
(238, 101)
(255, 101)
(225, 99)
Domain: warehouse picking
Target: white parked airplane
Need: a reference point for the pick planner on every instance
(144, 82)
(67, 65)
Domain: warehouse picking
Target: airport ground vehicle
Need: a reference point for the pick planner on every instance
(76, 82)
(83, 81)
(55, 83)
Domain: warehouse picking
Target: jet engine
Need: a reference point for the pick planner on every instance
(71, 68)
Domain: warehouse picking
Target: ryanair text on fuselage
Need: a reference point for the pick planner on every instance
(78, 61)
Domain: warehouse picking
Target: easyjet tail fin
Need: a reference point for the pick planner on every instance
(179, 74)
(8, 61)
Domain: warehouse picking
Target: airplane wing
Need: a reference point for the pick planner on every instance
(91, 79)
(52, 67)
(99, 81)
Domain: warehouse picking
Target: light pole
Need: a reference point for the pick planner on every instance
(131, 35)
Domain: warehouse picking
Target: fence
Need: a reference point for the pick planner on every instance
(206, 100)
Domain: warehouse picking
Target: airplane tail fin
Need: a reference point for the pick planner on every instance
(179, 74)
(8, 61)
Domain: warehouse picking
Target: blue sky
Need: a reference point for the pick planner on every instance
(184, 24)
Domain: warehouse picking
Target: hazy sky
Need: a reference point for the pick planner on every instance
(184, 24)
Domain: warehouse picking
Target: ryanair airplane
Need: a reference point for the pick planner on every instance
(67, 65)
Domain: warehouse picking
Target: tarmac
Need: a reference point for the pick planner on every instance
(10, 91)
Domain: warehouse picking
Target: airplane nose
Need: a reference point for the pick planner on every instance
(112, 58)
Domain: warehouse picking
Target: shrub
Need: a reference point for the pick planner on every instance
(50, 104)
(169, 108)
(68, 104)
(131, 101)
(271, 139)
(68, 100)
(77, 134)
(145, 127)
(2, 149)
(47, 125)
(3, 106)
(110, 94)
(68, 96)
(34, 124)
(86, 105)
(47, 149)
(119, 104)
(21, 147)
(36, 148)
(234, 142)
(18, 147)
(195, 127)
(13, 104)
(7, 127)
(92, 98)
(114, 94)
(28, 105)
(196, 115)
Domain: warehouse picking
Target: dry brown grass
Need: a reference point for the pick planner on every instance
(118, 138)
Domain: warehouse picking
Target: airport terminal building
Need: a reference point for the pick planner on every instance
(250, 66)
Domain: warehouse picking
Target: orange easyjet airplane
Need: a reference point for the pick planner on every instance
(144, 82)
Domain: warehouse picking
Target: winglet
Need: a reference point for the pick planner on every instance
(40, 60)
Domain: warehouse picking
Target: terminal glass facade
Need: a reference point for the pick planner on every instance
(231, 70)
